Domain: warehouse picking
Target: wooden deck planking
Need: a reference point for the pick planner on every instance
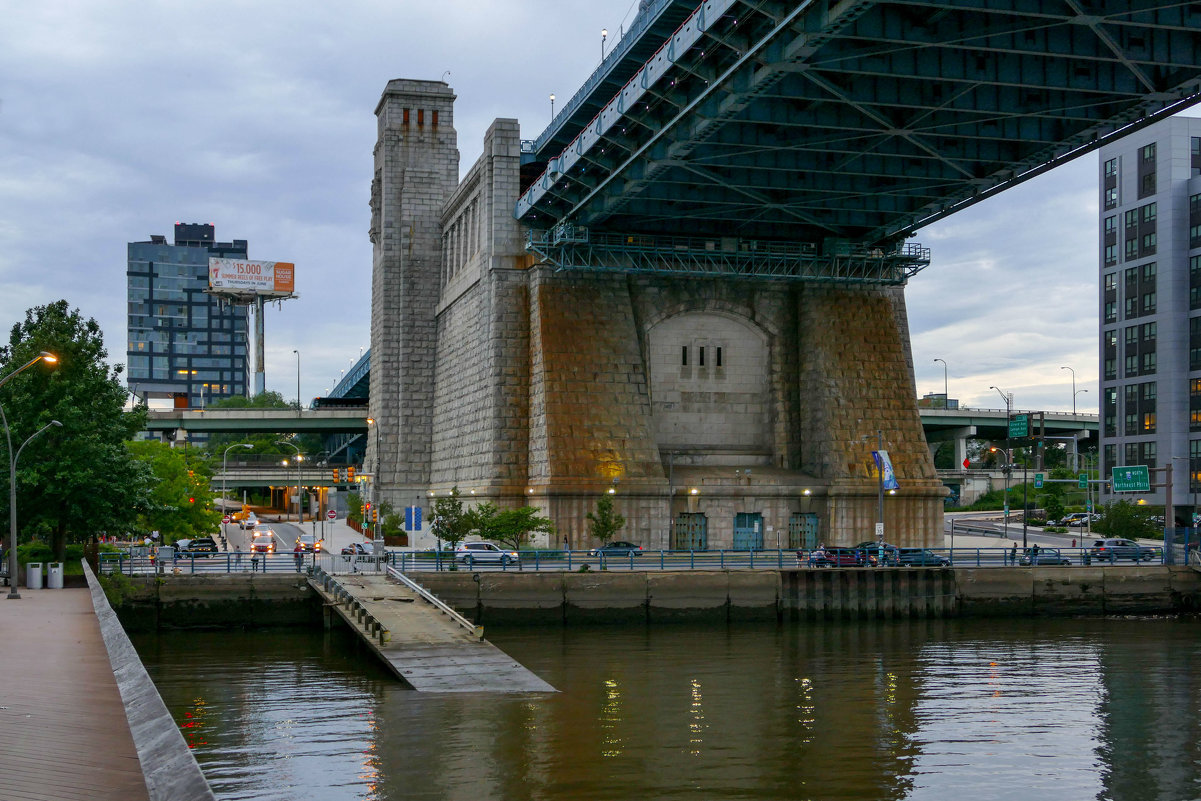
(63, 728)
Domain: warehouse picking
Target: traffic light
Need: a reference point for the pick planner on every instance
(336, 475)
(374, 515)
(191, 500)
(350, 473)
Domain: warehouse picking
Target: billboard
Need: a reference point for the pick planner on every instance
(241, 276)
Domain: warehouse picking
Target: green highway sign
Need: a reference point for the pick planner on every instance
(1019, 426)
(1039, 478)
(1082, 481)
(1132, 478)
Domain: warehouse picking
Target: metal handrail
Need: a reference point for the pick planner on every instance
(477, 631)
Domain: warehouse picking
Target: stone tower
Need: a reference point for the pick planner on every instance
(416, 170)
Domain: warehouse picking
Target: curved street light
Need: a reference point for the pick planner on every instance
(45, 356)
(1008, 454)
(224, 475)
(1074, 393)
(945, 392)
(299, 519)
(12, 504)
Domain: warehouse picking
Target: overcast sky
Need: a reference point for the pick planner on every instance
(118, 119)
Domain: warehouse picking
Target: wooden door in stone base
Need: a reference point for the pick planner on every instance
(803, 529)
(691, 532)
(748, 531)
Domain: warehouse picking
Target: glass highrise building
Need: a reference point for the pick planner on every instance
(184, 344)
(1150, 307)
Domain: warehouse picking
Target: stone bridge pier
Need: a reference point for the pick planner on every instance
(715, 412)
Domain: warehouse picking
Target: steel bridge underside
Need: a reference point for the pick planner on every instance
(843, 127)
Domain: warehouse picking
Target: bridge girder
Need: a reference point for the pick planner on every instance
(863, 121)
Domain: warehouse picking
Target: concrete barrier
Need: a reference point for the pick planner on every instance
(168, 764)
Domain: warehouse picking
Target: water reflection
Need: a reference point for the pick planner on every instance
(937, 710)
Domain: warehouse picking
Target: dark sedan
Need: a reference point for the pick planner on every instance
(1043, 556)
(843, 557)
(919, 557)
(617, 548)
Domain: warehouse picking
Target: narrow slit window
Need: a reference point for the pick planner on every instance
(684, 356)
(406, 116)
(718, 357)
(700, 359)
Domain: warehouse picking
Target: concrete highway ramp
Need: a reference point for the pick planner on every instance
(424, 642)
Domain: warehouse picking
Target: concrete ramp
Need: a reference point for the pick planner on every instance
(424, 642)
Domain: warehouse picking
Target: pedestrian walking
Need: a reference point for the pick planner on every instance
(238, 556)
(298, 553)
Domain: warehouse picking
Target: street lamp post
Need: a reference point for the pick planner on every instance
(299, 517)
(224, 475)
(1008, 454)
(49, 358)
(299, 408)
(945, 392)
(371, 421)
(1074, 394)
(604, 36)
(1073, 372)
(12, 503)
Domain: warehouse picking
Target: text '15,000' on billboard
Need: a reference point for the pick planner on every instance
(252, 277)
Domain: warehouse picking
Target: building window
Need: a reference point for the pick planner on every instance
(1131, 335)
(1111, 254)
(700, 356)
(1194, 404)
(1146, 186)
(1149, 331)
(1111, 224)
(1149, 302)
(1149, 271)
(1149, 212)
(1149, 422)
(1149, 362)
(1132, 249)
(1147, 153)
(684, 356)
(1111, 458)
(1111, 167)
(1111, 311)
(1131, 364)
(1111, 282)
(1131, 428)
(1150, 242)
(1111, 198)
(718, 363)
(1111, 369)
(1148, 453)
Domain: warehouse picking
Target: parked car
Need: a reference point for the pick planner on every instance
(201, 546)
(309, 542)
(890, 554)
(1043, 556)
(1076, 519)
(357, 549)
(617, 548)
(1115, 549)
(484, 553)
(263, 542)
(920, 557)
(844, 557)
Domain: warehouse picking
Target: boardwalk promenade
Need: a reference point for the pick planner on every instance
(63, 730)
(79, 716)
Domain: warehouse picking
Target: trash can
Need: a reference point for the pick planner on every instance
(54, 576)
(33, 576)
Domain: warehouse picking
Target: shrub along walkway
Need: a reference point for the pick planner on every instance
(63, 729)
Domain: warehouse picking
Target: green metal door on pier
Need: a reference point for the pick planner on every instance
(748, 531)
(691, 532)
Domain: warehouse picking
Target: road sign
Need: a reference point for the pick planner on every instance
(1019, 426)
(331, 514)
(1132, 478)
(412, 518)
(1039, 478)
(1082, 481)
(225, 519)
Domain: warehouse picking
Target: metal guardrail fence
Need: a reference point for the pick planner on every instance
(583, 561)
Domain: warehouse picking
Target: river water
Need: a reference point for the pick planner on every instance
(982, 710)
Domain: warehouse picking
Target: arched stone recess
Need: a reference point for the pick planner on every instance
(711, 387)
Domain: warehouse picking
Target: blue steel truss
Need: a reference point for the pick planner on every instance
(807, 121)
(573, 248)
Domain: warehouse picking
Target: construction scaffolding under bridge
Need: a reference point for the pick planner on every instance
(570, 247)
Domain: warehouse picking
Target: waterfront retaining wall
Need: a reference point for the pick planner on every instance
(560, 598)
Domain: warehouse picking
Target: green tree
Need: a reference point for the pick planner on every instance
(354, 503)
(605, 524)
(1126, 519)
(451, 523)
(511, 527)
(181, 501)
(80, 479)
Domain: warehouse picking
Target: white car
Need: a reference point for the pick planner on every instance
(484, 553)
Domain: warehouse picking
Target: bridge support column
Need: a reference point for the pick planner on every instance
(856, 380)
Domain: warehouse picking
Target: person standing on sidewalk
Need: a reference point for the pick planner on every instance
(298, 553)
